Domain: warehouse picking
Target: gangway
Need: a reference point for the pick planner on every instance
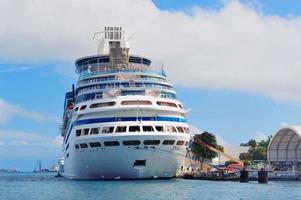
(219, 152)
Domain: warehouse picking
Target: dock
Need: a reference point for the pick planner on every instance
(252, 176)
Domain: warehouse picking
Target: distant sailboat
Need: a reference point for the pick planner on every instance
(38, 167)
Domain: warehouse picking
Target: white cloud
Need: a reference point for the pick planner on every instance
(21, 138)
(16, 68)
(8, 110)
(233, 48)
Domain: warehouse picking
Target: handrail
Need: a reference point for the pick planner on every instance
(89, 81)
(85, 73)
(97, 87)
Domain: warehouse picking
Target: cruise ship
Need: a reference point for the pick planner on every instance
(122, 119)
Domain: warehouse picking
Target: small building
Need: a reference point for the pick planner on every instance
(284, 150)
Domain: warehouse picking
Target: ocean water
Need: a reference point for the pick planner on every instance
(44, 186)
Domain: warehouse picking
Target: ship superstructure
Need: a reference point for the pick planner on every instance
(122, 119)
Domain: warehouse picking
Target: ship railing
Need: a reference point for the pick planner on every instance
(115, 86)
(147, 92)
(89, 81)
(87, 73)
(157, 66)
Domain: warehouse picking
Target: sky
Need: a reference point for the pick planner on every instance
(236, 65)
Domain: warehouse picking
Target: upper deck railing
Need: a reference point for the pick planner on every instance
(87, 73)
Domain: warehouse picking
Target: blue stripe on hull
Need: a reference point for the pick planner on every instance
(122, 119)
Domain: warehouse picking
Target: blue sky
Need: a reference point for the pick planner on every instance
(32, 92)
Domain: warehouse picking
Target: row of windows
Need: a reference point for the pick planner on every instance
(135, 128)
(127, 103)
(99, 95)
(130, 143)
(106, 59)
(123, 85)
(119, 77)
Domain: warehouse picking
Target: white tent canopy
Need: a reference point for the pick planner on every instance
(285, 146)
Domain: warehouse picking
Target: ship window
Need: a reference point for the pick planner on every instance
(168, 95)
(76, 109)
(180, 129)
(86, 131)
(76, 146)
(67, 155)
(136, 103)
(108, 129)
(168, 142)
(95, 144)
(186, 129)
(180, 105)
(151, 142)
(147, 128)
(83, 145)
(106, 104)
(134, 128)
(159, 128)
(131, 142)
(78, 132)
(98, 95)
(111, 143)
(83, 107)
(121, 129)
(180, 142)
(94, 131)
(171, 129)
(124, 93)
(163, 103)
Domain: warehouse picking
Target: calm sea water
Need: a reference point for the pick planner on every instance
(45, 187)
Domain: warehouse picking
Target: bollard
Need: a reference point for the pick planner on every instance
(262, 176)
(244, 176)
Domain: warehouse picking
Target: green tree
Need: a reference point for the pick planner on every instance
(245, 156)
(246, 163)
(260, 153)
(202, 151)
(265, 143)
(251, 143)
(257, 151)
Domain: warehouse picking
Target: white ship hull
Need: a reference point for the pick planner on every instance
(117, 162)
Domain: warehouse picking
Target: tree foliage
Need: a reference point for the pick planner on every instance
(251, 143)
(257, 150)
(265, 143)
(246, 163)
(202, 151)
